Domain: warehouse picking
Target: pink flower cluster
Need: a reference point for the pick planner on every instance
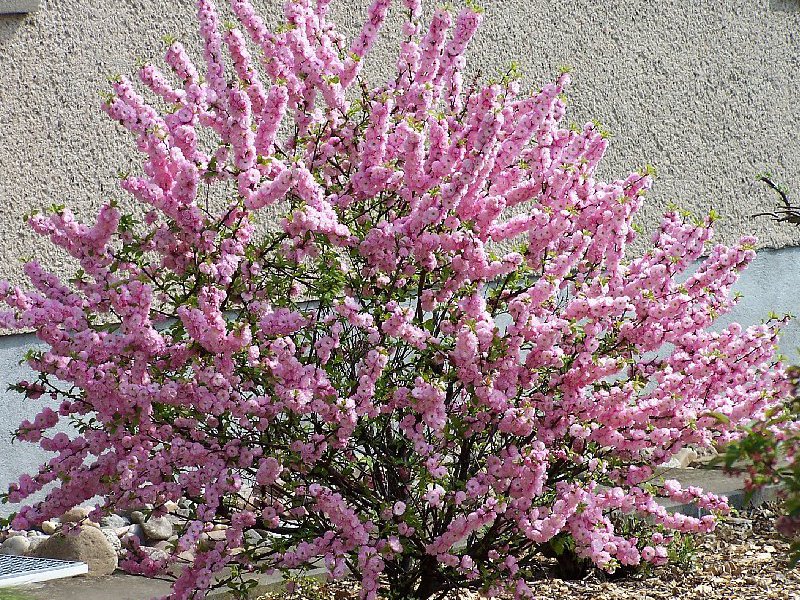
(434, 364)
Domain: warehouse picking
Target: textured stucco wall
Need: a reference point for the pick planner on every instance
(706, 91)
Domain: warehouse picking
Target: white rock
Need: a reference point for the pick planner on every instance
(76, 515)
(35, 541)
(186, 555)
(49, 527)
(112, 538)
(114, 521)
(155, 553)
(164, 546)
(215, 534)
(134, 530)
(16, 545)
(681, 459)
(687, 456)
(157, 529)
(252, 537)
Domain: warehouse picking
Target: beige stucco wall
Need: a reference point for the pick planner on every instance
(706, 91)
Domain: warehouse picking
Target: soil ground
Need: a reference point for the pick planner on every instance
(744, 559)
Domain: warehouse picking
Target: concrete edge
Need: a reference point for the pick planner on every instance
(271, 584)
(738, 499)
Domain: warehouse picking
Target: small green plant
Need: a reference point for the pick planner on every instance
(682, 549)
(770, 446)
(769, 450)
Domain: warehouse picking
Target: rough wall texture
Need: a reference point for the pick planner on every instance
(705, 91)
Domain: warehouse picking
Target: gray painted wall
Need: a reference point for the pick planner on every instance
(18, 457)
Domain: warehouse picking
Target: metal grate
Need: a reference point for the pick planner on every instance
(19, 570)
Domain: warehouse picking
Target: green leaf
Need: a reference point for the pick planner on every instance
(722, 418)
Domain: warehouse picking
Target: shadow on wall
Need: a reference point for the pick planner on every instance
(785, 5)
(17, 457)
(9, 24)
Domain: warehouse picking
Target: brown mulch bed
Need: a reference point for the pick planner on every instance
(744, 559)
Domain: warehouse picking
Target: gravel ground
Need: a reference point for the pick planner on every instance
(744, 559)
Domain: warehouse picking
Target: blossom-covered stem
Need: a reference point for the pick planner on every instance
(393, 327)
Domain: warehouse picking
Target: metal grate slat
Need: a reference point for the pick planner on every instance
(18, 570)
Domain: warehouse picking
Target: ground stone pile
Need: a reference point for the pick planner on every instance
(88, 545)
(74, 536)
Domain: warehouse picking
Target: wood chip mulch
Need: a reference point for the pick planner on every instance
(744, 559)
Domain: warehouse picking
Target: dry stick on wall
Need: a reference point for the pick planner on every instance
(788, 213)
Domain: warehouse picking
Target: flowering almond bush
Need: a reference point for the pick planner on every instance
(374, 384)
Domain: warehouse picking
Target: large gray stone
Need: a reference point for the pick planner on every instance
(89, 545)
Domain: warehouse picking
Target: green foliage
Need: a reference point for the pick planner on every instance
(682, 550)
(770, 448)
